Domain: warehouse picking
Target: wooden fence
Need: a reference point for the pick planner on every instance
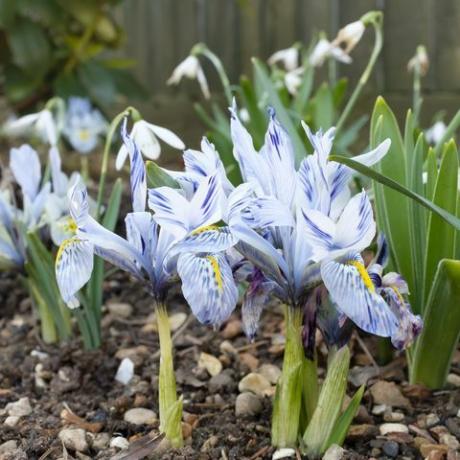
(160, 33)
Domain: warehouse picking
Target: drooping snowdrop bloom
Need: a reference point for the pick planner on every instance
(349, 36)
(42, 124)
(323, 50)
(293, 80)
(83, 125)
(146, 135)
(288, 57)
(419, 61)
(436, 132)
(190, 68)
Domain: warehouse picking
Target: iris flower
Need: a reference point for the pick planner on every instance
(83, 125)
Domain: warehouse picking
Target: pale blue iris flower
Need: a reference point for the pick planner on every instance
(83, 125)
(302, 227)
(180, 238)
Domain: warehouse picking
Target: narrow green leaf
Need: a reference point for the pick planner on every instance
(396, 207)
(340, 430)
(323, 108)
(257, 119)
(330, 402)
(432, 173)
(409, 140)
(438, 341)
(449, 132)
(156, 177)
(113, 207)
(384, 180)
(273, 99)
(441, 236)
(301, 100)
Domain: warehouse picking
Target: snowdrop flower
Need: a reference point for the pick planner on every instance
(419, 60)
(146, 135)
(83, 125)
(289, 57)
(191, 68)
(41, 124)
(293, 80)
(435, 134)
(323, 50)
(350, 35)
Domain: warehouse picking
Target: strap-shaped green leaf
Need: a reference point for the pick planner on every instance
(156, 177)
(441, 236)
(438, 341)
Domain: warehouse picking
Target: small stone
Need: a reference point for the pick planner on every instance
(436, 455)
(388, 393)
(121, 309)
(227, 347)
(119, 442)
(393, 417)
(232, 329)
(432, 420)
(140, 416)
(247, 404)
(454, 380)
(334, 452)
(450, 441)
(74, 439)
(284, 452)
(270, 372)
(8, 446)
(101, 441)
(379, 409)
(11, 420)
(386, 428)
(135, 354)
(19, 408)
(363, 431)
(187, 430)
(391, 448)
(221, 382)
(454, 426)
(125, 371)
(209, 443)
(426, 449)
(250, 361)
(210, 363)
(255, 383)
(419, 441)
(176, 320)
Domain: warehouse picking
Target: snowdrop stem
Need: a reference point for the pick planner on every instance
(417, 92)
(375, 18)
(288, 397)
(105, 157)
(84, 167)
(170, 406)
(202, 49)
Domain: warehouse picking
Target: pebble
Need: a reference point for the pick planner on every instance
(391, 448)
(8, 446)
(393, 417)
(450, 441)
(121, 309)
(388, 393)
(227, 347)
(432, 420)
(209, 443)
(334, 452)
(255, 383)
(101, 441)
(454, 426)
(454, 380)
(125, 371)
(39, 373)
(232, 329)
(250, 361)
(219, 382)
(74, 439)
(11, 420)
(19, 408)
(140, 416)
(363, 431)
(379, 409)
(284, 452)
(210, 363)
(427, 448)
(135, 354)
(386, 428)
(271, 372)
(248, 404)
(119, 442)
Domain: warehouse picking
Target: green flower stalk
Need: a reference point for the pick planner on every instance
(418, 65)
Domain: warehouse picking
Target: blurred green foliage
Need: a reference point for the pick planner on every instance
(59, 47)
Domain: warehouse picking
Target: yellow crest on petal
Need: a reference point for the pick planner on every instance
(216, 270)
(364, 275)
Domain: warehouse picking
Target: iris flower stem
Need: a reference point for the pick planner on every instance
(377, 23)
(288, 397)
(84, 167)
(202, 49)
(170, 405)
